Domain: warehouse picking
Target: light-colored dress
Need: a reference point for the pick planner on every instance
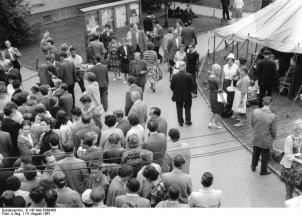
(150, 57)
(180, 57)
(93, 91)
(241, 88)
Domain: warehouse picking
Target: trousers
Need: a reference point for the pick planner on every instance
(171, 65)
(225, 11)
(264, 91)
(71, 91)
(187, 104)
(265, 156)
(104, 97)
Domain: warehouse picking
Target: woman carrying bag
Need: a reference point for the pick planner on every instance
(229, 78)
(217, 96)
(240, 98)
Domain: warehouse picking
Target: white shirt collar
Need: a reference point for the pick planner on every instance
(137, 101)
(132, 194)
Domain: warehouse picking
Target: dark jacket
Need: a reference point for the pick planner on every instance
(188, 35)
(125, 63)
(16, 73)
(45, 77)
(16, 97)
(182, 85)
(106, 39)
(192, 61)
(266, 70)
(67, 72)
(12, 127)
(187, 15)
(147, 22)
(225, 2)
(66, 101)
(137, 66)
(101, 73)
(44, 145)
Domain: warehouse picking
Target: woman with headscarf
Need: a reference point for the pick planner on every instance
(291, 172)
(229, 77)
(215, 87)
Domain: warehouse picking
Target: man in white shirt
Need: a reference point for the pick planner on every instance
(77, 60)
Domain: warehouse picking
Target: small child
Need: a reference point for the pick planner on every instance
(238, 5)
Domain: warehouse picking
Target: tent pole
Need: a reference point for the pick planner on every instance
(214, 49)
(247, 49)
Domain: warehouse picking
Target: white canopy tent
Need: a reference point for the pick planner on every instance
(278, 26)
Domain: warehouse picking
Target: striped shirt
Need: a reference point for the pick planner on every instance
(150, 57)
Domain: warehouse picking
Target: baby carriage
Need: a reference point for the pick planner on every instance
(252, 93)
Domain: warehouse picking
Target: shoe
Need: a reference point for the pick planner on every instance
(119, 78)
(188, 123)
(266, 173)
(114, 80)
(153, 90)
(240, 124)
(217, 126)
(253, 168)
(181, 124)
(210, 125)
(229, 19)
(125, 82)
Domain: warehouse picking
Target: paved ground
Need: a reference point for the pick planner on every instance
(212, 150)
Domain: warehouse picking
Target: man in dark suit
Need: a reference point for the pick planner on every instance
(172, 48)
(12, 127)
(133, 87)
(264, 133)
(43, 73)
(156, 143)
(138, 69)
(13, 54)
(16, 97)
(139, 108)
(14, 73)
(101, 73)
(157, 36)
(182, 86)
(106, 37)
(192, 65)
(65, 100)
(6, 147)
(139, 40)
(225, 9)
(126, 55)
(266, 70)
(147, 23)
(4, 174)
(188, 35)
(67, 74)
(187, 15)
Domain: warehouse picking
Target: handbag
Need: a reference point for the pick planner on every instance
(231, 88)
(221, 96)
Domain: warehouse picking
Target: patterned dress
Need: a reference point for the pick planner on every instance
(114, 61)
(293, 175)
(150, 57)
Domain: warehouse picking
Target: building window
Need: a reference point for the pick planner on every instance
(47, 19)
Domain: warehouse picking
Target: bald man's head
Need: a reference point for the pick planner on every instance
(135, 96)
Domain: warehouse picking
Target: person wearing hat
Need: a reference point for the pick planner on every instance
(92, 89)
(66, 195)
(229, 77)
(266, 71)
(264, 134)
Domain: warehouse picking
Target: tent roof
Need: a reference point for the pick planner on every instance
(276, 26)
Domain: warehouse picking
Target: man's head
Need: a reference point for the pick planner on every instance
(154, 113)
(53, 101)
(119, 114)
(207, 179)
(64, 87)
(54, 142)
(267, 101)
(36, 194)
(86, 101)
(131, 80)
(49, 160)
(46, 34)
(7, 198)
(137, 56)
(63, 55)
(133, 119)
(76, 113)
(60, 179)
(73, 52)
(189, 22)
(44, 90)
(174, 134)
(133, 185)
(13, 183)
(30, 172)
(16, 84)
(173, 192)
(188, 6)
(152, 125)
(175, 33)
(86, 118)
(110, 120)
(97, 195)
(135, 27)
(51, 197)
(31, 99)
(87, 141)
(135, 96)
(150, 173)
(97, 59)
(179, 161)
(266, 54)
(191, 47)
(8, 44)
(125, 172)
(45, 124)
(8, 111)
(35, 89)
(68, 147)
(133, 141)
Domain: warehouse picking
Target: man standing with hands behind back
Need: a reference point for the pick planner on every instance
(264, 133)
(182, 84)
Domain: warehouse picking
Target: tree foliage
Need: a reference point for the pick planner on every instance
(13, 24)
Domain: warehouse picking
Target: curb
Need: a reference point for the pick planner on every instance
(239, 140)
